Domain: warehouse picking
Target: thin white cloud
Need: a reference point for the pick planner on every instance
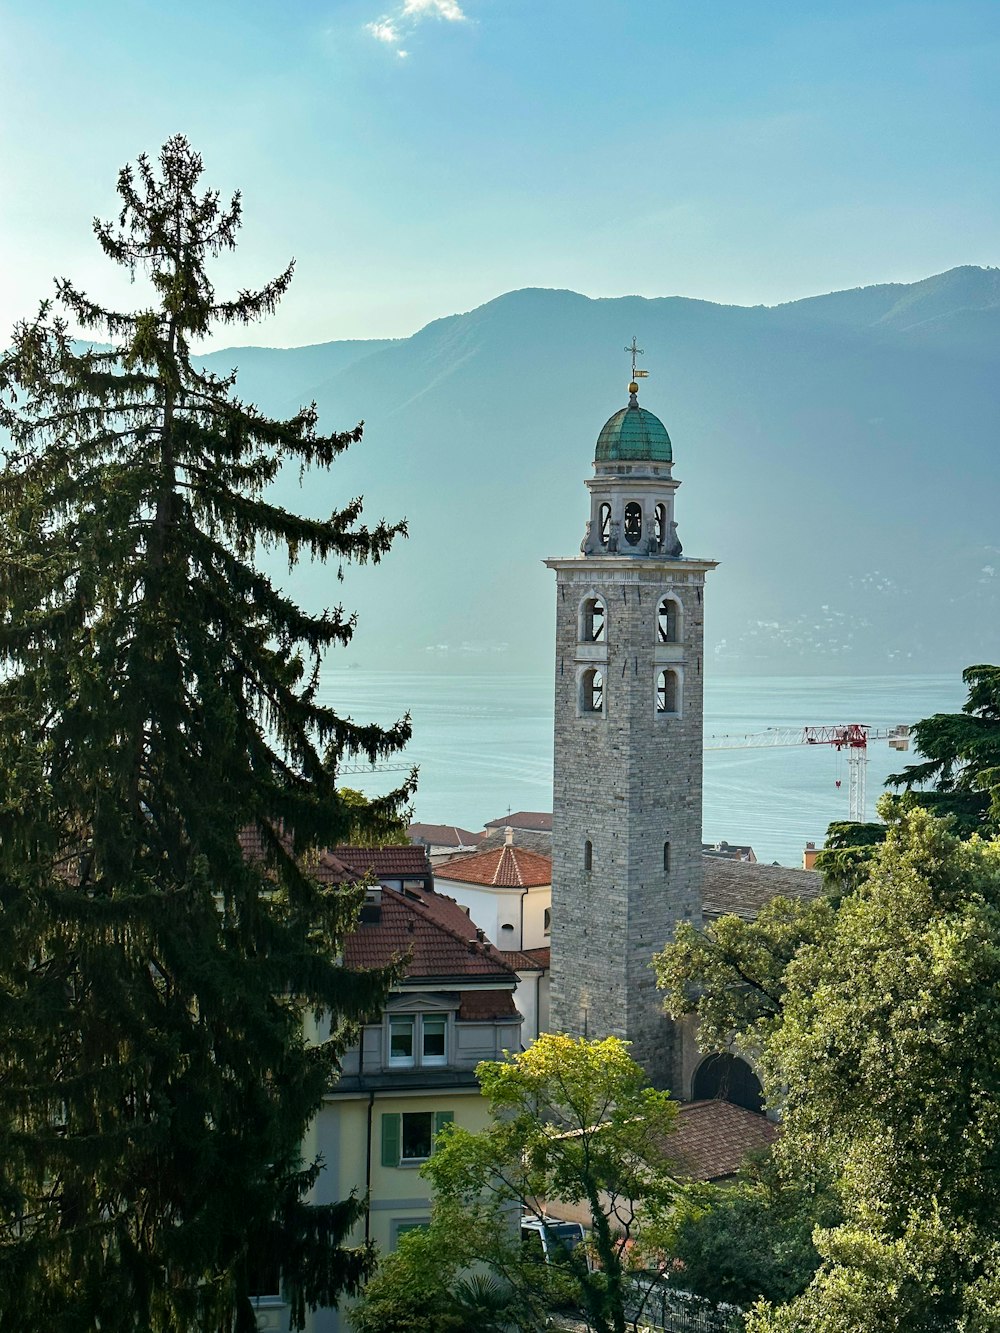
(441, 9)
(384, 30)
(391, 29)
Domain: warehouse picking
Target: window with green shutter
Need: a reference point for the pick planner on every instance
(409, 1136)
(391, 1138)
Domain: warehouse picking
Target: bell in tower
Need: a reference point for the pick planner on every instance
(627, 776)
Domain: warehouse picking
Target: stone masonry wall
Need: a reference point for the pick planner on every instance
(628, 781)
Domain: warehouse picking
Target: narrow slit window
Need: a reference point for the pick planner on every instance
(668, 621)
(666, 858)
(588, 855)
(660, 524)
(604, 515)
(666, 692)
(633, 523)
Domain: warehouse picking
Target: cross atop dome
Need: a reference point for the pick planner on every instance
(633, 387)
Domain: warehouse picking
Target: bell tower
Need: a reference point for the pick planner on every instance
(627, 780)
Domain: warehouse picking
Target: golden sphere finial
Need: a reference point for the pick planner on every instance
(633, 387)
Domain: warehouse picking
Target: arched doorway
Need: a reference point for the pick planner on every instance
(730, 1079)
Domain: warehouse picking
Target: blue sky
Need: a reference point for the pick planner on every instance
(420, 157)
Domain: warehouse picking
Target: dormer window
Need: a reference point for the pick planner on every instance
(417, 1039)
(632, 527)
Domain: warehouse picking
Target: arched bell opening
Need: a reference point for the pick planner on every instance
(727, 1078)
(632, 526)
(592, 691)
(668, 620)
(593, 620)
(659, 525)
(668, 693)
(604, 523)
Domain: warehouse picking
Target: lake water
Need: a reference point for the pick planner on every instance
(483, 744)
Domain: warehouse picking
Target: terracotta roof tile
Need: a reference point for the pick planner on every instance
(505, 867)
(712, 1139)
(446, 910)
(408, 926)
(527, 960)
(329, 869)
(744, 887)
(389, 862)
(477, 1005)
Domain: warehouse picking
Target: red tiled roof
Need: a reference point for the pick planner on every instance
(388, 862)
(328, 869)
(527, 960)
(712, 1139)
(442, 835)
(477, 1005)
(446, 910)
(526, 819)
(408, 926)
(505, 867)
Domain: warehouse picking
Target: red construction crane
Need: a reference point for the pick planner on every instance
(853, 738)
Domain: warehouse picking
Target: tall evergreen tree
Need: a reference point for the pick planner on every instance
(961, 758)
(167, 785)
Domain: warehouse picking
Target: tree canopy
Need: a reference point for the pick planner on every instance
(884, 1056)
(959, 779)
(961, 758)
(167, 785)
(573, 1122)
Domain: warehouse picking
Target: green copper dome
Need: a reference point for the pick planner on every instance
(633, 434)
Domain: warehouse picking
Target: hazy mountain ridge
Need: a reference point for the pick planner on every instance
(840, 460)
(838, 455)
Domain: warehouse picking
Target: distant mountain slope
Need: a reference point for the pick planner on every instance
(839, 455)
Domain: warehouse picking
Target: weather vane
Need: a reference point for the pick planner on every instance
(636, 351)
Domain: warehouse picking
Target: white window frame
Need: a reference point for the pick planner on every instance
(418, 1059)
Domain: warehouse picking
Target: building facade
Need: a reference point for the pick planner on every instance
(627, 781)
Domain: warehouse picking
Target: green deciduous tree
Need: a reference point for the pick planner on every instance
(573, 1122)
(885, 1059)
(732, 973)
(166, 786)
(422, 1287)
(734, 1244)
